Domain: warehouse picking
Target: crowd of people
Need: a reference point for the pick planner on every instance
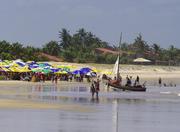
(40, 77)
(118, 80)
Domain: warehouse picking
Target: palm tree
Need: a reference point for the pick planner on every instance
(173, 52)
(52, 48)
(65, 38)
(156, 49)
(140, 46)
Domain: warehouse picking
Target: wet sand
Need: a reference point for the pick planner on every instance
(67, 107)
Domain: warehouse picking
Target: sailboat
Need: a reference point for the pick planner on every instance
(116, 83)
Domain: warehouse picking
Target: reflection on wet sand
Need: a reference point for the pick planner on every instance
(44, 107)
(19, 104)
(56, 88)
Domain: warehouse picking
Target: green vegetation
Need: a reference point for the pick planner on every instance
(81, 47)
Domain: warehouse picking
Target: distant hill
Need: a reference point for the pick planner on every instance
(50, 57)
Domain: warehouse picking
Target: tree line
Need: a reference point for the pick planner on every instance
(80, 47)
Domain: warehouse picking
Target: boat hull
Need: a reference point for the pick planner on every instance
(128, 88)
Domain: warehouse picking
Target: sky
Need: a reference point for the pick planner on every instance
(36, 22)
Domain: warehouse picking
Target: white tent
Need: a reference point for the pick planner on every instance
(141, 60)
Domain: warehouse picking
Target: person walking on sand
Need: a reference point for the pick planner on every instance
(93, 89)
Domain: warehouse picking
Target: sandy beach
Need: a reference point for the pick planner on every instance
(149, 73)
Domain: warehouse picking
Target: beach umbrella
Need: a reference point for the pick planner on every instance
(14, 69)
(94, 70)
(19, 62)
(141, 60)
(41, 70)
(77, 72)
(64, 68)
(85, 70)
(55, 69)
(4, 69)
(44, 64)
(25, 69)
(30, 62)
(61, 72)
(37, 69)
(46, 71)
(33, 66)
(22, 64)
(106, 72)
(92, 74)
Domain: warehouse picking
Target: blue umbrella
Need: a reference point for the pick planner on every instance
(92, 74)
(77, 72)
(85, 70)
(44, 64)
(33, 66)
(22, 64)
(55, 69)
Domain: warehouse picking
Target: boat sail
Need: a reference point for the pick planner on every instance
(116, 66)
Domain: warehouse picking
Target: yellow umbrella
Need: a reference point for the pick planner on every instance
(19, 69)
(5, 69)
(14, 69)
(25, 69)
(95, 70)
(61, 72)
(106, 72)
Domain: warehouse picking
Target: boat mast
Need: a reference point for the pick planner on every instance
(119, 54)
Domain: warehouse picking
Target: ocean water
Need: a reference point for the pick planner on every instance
(156, 110)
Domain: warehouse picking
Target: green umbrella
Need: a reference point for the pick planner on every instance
(46, 71)
(37, 70)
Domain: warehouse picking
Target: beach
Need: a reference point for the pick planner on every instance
(68, 106)
(148, 73)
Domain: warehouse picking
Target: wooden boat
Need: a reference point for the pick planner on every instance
(138, 88)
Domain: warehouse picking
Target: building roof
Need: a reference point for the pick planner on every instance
(107, 51)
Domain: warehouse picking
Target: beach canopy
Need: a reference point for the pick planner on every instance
(77, 72)
(91, 74)
(61, 72)
(85, 70)
(141, 60)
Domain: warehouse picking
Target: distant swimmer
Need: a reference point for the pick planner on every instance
(137, 80)
(160, 82)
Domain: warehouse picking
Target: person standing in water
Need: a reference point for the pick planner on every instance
(160, 81)
(97, 88)
(56, 79)
(137, 80)
(92, 88)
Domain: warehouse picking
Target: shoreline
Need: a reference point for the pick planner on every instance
(148, 73)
